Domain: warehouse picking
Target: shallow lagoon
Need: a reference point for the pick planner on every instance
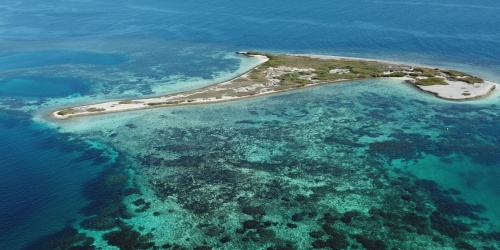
(296, 170)
(43, 58)
(343, 160)
(43, 87)
(57, 158)
(331, 151)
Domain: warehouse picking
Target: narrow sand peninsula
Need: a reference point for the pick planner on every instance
(278, 73)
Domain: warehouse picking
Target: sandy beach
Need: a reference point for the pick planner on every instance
(271, 81)
(175, 99)
(456, 90)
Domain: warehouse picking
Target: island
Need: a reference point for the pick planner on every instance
(277, 73)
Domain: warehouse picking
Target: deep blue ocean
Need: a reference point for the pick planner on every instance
(56, 54)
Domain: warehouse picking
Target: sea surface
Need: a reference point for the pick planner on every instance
(372, 164)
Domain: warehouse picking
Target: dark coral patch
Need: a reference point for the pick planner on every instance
(64, 239)
(225, 239)
(316, 234)
(329, 218)
(250, 224)
(446, 226)
(139, 202)
(394, 149)
(128, 239)
(251, 210)
(406, 197)
(464, 245)
(348, 216)
(319, 244)
(337, 241)
(298, 216)
(447, 204)
(371, 244)
(419, 222)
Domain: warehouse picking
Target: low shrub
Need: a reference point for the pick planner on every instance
(95, 109)
(431, 81)
(126, 102)
(66, 112)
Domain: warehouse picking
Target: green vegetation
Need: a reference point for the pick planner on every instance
(366, 69)
(286, 72)
(95, 109)
(320, 69)
(460, 76)
(292, 79)
(163, 103)
(357, 69)
(317, 70)
(156, 103)
(325, 76)
(471, 79)
(254, 53)
(425, 72)
(431, 81)
(126, 102)
(66, 111)
(395, 74)
(454, 73)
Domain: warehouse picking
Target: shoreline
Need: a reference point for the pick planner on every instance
(443, 93)
(112, 104)
(281, 73)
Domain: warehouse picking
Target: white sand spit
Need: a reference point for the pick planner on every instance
(457, 90)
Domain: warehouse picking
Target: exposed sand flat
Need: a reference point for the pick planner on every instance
(288, 72)
(456, 90)
(128, 105)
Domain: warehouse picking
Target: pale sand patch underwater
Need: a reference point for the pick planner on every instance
(279, 73)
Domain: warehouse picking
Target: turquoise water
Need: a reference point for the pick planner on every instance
(294, 160)
(33, 59)
(371, 164)
(42, 87)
